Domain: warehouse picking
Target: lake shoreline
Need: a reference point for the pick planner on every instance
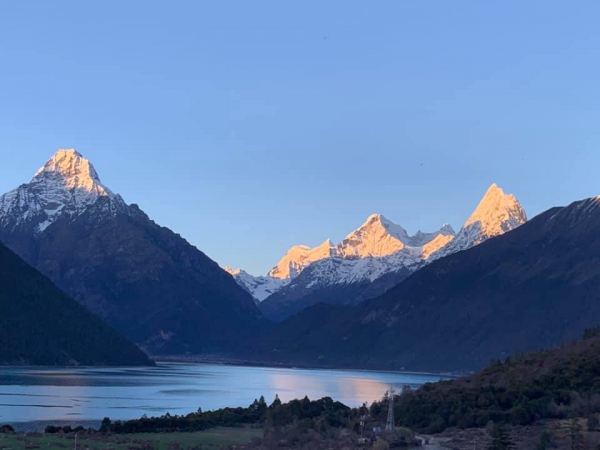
(36, 396)
(224, 361)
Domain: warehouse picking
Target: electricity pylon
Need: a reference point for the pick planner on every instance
(390, 418)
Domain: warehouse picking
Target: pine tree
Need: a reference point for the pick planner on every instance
(105, 425)
(276, 402)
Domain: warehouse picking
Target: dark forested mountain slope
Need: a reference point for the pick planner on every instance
(143, 279)
(531, 288)
(41, 325)
(557, 383)
(287, 302)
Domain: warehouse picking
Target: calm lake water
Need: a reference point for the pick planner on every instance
(89, 394)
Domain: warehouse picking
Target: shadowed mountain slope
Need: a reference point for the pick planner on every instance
(41, 325)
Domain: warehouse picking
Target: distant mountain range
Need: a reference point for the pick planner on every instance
(379, 299)
(40, 325)
(530, 288)
(372, 259)
(143, 279)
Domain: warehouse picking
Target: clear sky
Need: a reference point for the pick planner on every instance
(248, 127)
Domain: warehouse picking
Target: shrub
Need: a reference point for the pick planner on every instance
(7, 429)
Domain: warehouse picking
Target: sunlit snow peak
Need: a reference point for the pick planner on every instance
(300, 256)
(379, 246)
(66, 184)
(497, 213)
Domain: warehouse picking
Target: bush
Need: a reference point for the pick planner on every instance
(7, 429)
(105, 425)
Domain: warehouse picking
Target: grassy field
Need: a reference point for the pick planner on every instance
(206, 440)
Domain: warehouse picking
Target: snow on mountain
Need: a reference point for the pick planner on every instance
(377, 259)
(438, 243)
(289, 267)
(379, 247)
(496, 214)
(376, 237)
(379, 237)
(66, 184)
(300, 256)
(259, 287)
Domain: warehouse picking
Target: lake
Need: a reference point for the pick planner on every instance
(88, 394)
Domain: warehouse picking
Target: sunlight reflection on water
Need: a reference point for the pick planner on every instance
(31, 394)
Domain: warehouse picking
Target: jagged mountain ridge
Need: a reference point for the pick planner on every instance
(375, 248)
(380, 254)
(533, 287)
(142, 278)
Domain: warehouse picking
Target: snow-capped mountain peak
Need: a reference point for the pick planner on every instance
(73, 171)
(66, 184)
(233, 272)
(259, 287)
(496, 214)
(300, 256)
(379, 247)
(378, 236)
(447, 230)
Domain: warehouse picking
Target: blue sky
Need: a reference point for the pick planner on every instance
(248, 127)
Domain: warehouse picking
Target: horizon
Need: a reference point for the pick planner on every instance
(252, 129)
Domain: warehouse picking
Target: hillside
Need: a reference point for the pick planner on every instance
(285, 303)
(531, 288)
(40, 325)
(550, 384)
